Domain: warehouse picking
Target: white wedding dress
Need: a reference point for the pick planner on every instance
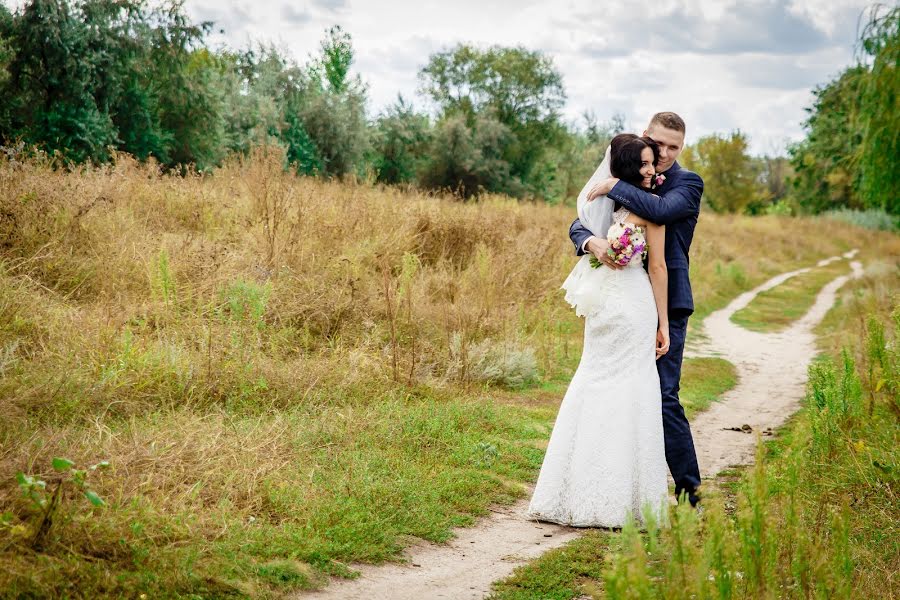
(606, 457)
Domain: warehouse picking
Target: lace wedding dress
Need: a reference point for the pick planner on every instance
(606, 456)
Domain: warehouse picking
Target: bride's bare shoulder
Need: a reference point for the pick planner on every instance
(636, 220)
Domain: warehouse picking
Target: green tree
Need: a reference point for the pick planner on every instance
(519, 88)
(880, 110)
(328, 114)
(259, 83)
(302, 151)
(189, 96)
(826, 162)
(400, 142)
(336, 126)
(853, 130)
(578, 153)
(775, 173)
(52, 82)
(336, 57)
(119, 35)
(7, 54)
(730, 175)
(467, 159)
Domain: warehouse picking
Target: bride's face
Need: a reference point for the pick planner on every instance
(647, 168)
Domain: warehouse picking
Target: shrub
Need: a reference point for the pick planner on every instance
(870, 219)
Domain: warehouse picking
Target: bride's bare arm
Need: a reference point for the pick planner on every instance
(659, 281)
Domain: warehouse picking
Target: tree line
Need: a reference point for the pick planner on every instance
(853, 131)
(81, 79)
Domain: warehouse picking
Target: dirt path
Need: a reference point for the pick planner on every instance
(772, 374)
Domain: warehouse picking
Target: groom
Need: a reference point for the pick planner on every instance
(677, 208)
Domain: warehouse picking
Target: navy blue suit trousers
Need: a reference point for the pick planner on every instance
(680, 454)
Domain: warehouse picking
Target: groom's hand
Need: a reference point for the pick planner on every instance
(602, 188)
(597, 247)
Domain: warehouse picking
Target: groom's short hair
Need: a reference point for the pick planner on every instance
(669, 120)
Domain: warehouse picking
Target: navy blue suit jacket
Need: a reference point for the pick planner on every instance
(677, 207)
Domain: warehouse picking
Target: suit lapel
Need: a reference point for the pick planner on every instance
(670, 175)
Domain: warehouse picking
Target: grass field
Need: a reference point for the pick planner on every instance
(286, 375)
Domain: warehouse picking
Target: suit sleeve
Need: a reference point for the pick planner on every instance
(578, 233)
(681, 202)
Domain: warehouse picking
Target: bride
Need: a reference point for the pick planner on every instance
(606, 457)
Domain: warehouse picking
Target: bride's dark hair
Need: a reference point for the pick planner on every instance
(625, 157)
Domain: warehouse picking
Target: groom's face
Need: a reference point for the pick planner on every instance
(670, 144)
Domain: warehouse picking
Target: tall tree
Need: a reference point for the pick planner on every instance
(730, 175)
(519, 88)
(119, 45)
(826, 162)
(328, 115)
(336, 58)
(576, 156)
(53, 81)
(7, 54)
(880, 110)
(400, 143)
(848, 156)
(184, 76)
(466, 159)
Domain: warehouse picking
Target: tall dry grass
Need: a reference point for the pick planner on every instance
(248, 344)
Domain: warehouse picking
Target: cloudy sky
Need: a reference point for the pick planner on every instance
(721, 64)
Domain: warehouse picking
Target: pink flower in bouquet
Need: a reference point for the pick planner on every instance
(625, 242)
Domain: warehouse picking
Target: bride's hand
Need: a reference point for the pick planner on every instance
(597, 247)
(602, 188)
(662, 341)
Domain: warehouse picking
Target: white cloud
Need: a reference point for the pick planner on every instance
(828, 15)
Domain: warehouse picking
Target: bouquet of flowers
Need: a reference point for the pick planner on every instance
(625, 242)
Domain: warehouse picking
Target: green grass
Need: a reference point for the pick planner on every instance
(703, 381)
(559, 574)
(375, 472)
(776, 309)
(870, 219)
